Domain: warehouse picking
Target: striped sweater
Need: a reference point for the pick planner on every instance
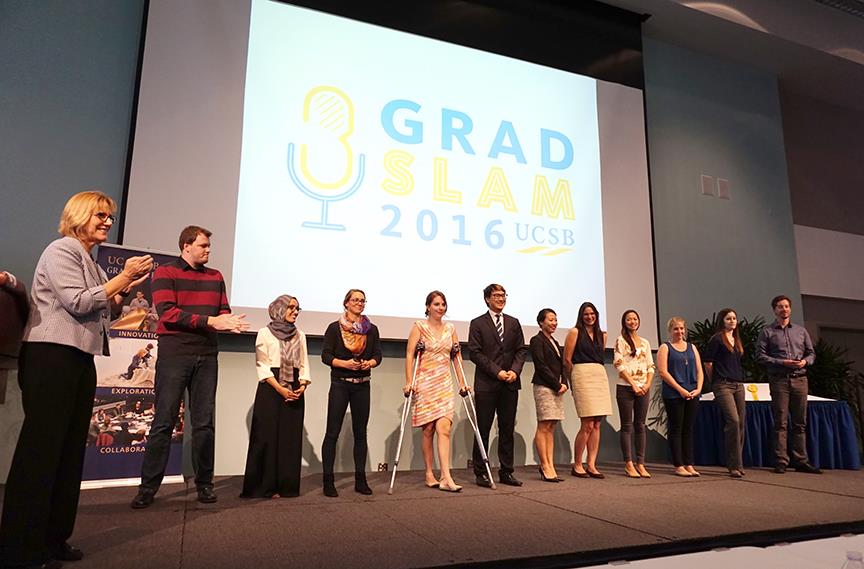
(185, 297)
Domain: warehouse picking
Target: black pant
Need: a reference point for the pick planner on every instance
(342, 394)
(503, 402)
(57, 386)
(682, 416)
(633, 411)
(174, 375)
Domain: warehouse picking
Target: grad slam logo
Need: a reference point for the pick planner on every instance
(327, 166)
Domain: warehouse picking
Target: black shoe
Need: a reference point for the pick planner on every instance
(807, 468)
(142, 500)
(509, 480)
(206, 495)
(780, 469)
(330, 486)
(69, 553)
(545, 479)
(483, 480)
(362, 487)
(50, 564)
(573, 472)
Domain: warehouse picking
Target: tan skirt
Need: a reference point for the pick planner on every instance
(550, 406)
(590, 387)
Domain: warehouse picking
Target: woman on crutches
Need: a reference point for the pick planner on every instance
(432, 387)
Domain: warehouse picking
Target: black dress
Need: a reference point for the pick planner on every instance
(275, 443)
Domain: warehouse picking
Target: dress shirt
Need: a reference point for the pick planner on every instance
(495, 322)
(778, 343)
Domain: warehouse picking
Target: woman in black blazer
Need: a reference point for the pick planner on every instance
(548, 389)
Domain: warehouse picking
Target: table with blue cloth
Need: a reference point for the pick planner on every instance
(831, 438)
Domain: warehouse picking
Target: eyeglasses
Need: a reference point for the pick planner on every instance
(103, 217)
(499, 295)
(358, 300)
(296, 309)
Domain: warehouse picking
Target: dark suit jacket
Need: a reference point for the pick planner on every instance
(13, 315)
(490, 355)
(547, 363)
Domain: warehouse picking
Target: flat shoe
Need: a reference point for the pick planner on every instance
(640, 468)
(433, 484)
(449, 487)
(598, 475)
(632, 473)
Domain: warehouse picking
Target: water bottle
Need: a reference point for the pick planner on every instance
(853, 560)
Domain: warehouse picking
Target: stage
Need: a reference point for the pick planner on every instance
(575, 523)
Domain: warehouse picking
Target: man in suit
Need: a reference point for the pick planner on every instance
(497, 348)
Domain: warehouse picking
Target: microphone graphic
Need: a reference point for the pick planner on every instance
(329, 114)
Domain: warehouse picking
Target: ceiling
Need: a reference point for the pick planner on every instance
(815, 50)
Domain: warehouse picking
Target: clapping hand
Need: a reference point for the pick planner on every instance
(235, 323)
(136, 269)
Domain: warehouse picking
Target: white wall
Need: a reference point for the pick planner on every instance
(830, 263)
(237, 385)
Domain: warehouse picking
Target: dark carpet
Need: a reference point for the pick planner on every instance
(574, 523)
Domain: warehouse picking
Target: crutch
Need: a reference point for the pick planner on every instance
(418, 353)
(471, 410)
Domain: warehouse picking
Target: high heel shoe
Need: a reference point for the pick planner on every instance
(544, 478)
(577, 474)
(449, 486)
(631, 471)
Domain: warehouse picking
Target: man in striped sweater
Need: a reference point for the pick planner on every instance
(192, 305)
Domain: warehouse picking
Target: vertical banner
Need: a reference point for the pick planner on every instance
(123, 407)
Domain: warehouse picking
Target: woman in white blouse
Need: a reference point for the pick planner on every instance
(635, 371)
(276, 435)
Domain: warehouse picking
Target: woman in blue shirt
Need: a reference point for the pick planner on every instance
(679, 365)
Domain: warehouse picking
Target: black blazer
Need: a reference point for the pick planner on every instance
(490, 355)
(547, 363)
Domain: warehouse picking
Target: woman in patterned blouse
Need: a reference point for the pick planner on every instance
(635, 371)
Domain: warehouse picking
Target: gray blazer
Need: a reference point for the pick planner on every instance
(68, 304)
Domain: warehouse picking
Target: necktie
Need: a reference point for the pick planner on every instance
(499, 326)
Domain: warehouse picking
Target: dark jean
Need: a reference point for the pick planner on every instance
(342, 394)
(789, 395)
(633, 410)
(729, 396)
(174, 375)
(682, 417)
(503, 403)
(41, 501)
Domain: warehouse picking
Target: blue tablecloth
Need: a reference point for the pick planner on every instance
(831, 438)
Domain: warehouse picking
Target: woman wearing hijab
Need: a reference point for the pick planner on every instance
(351, 349)
(276, 436)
